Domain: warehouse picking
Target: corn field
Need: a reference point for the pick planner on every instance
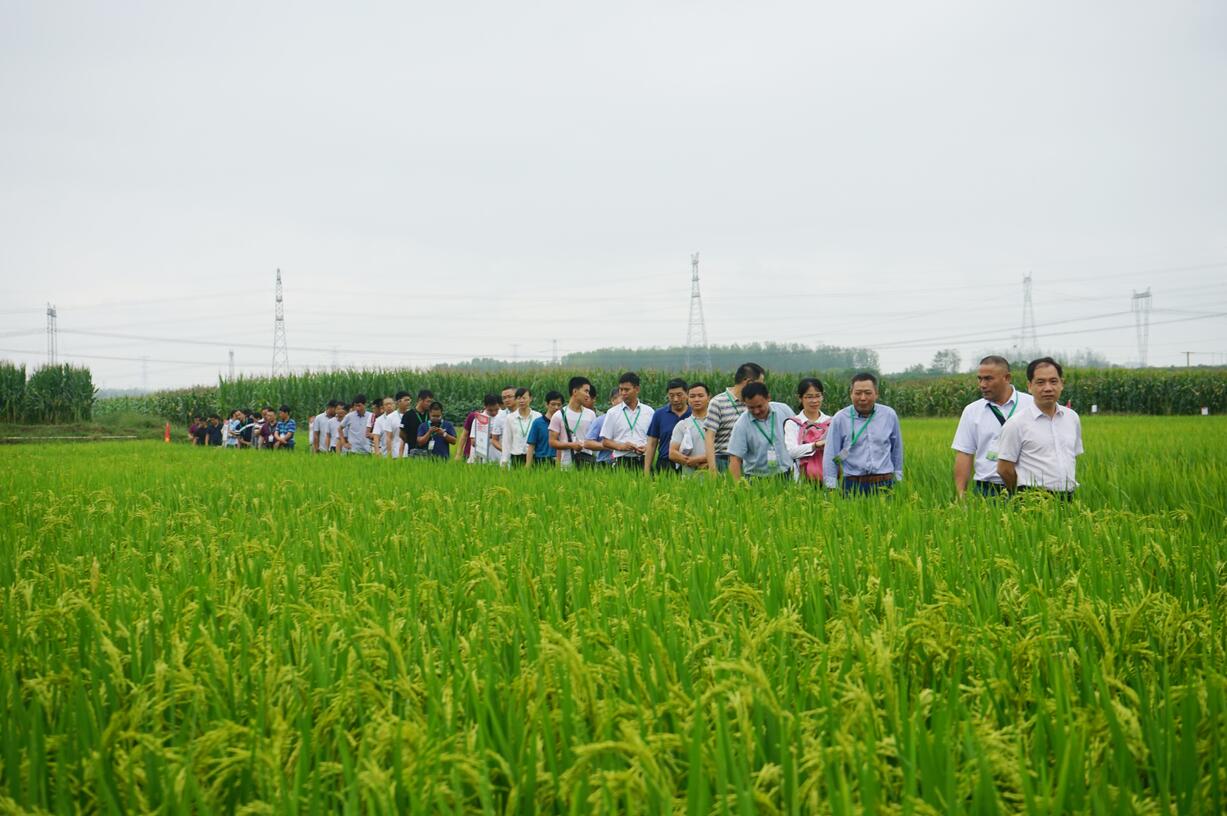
(197, 630)
(1147, 391)
(51, 394)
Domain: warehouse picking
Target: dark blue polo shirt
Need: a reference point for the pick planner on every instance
(662, 425)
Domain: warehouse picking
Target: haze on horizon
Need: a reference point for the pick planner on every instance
(440, 182)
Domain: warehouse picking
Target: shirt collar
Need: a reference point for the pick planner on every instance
(1013, 396)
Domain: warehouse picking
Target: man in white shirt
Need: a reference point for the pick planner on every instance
(482, 450)
(393, 445)
(625, 431)
(688, 444)
(318, 427)
(508, 395)
(975, 441)
(1039, 445)
(514, 439)
(569, 427)
(332, 429)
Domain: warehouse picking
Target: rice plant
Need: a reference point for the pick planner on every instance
(214, 631)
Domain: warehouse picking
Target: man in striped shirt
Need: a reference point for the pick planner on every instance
(722, 414)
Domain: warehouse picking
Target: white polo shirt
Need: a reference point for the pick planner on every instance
(1042, 448)
(515, 434)
(625, 425)
(332, 432)
(390, 423)
(482, 450)
(578, 425)
(979, 430)
(316, 428)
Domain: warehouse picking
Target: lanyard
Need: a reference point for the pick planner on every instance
(571, 431)
(628, 419)
(732, 399)
(852, 421)
(770, 439)
(523, 427)
(997, 411)
(698, 427)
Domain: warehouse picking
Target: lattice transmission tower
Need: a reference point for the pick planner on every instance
(1141, 320)
(281, 354)
(697, 351)
(1028, 341)
(53, 352)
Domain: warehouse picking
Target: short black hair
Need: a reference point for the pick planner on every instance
(359, 398)
(629, 377)
(807, 383)
(285, 408)
(676, 382)
(215, 416)
(865, 376)
(748, 371)
(401, 395)
(997, 360)
(333, 403)
(754, 389)
(491, 399)
(521, 391)
(615, 392)
(265, 408)
(435, 405)
(343, 405)
(507, 387)
(1040, 361)
(426, 393)
(550, 396)
(577, 382)
(706, 390)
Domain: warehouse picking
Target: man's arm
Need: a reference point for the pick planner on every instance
(896, 450)
(448, 436)
(424, 438)
(675, 453)
(530, 453)
(735, 467)
(1008, 474)
(835, 443)
(964, 463)
(648, 454)
(710, 436)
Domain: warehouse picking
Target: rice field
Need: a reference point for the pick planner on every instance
(192, 630)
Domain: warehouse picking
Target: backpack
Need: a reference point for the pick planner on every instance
(810, 466)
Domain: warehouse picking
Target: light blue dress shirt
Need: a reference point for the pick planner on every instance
(749, 442)
(878, 448)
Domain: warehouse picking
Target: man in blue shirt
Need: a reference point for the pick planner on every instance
(436, 435)
(604, 455)
(864, 442)
(283, 436)
(540, 452)
(660, 429)
(756, 444)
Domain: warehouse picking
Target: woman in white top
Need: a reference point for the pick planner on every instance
(805, 434)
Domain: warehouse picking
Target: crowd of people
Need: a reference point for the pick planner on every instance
(1005, 441)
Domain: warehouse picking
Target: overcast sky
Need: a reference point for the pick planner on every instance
(439, 181)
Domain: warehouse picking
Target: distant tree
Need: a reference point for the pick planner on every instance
(945, 361)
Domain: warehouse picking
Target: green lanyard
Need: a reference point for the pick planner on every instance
(852, 420)
(571, 431)
(732, 399)
(698, 427)
(628, 419)
(523, 427)
(770, 439)
(996, 411)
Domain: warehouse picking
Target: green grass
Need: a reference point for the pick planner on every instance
(214, 631)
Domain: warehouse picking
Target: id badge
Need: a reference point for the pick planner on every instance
(772, 459)
(842, 456)
(991, 455)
